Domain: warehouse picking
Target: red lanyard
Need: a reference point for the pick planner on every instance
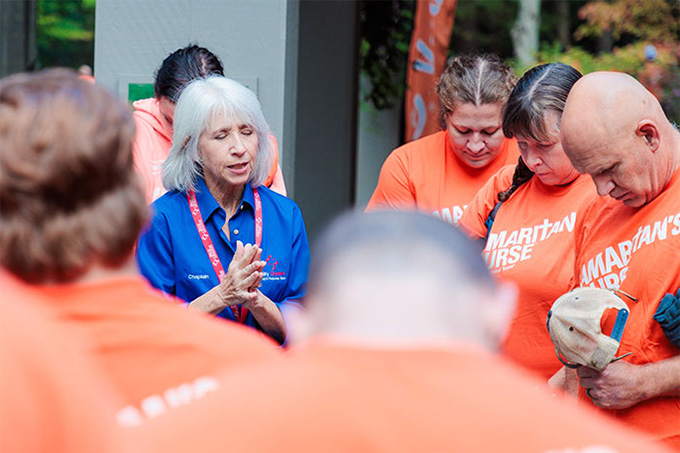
(241, 313)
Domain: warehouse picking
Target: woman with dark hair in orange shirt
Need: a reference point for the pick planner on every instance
(527, 213)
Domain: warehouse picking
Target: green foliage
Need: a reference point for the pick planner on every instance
(629, 59)
(386, 26)
(385, 36)
(483, 27)
(66, 32)
(650, 20)
(633, 24)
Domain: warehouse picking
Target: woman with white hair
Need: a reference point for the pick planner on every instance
(194, 249)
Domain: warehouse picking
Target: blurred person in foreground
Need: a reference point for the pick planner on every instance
(51, 396)
(154, 117)
(439, 174)
(526, 214)
(194, 249)
(397, 356)
(72, 210)
(616, 131)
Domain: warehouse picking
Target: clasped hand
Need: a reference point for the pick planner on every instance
(244, 275)
(615, 387)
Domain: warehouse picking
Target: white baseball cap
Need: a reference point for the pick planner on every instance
(574, 325)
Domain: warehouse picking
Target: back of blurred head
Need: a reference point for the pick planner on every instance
(69, 194)
(403, 279)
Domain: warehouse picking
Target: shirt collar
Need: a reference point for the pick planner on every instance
(248, 197)
(208, 204)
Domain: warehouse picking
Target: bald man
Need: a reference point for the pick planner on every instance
(615, 130)
(402, 315)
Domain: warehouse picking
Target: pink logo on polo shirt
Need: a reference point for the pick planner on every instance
(270, 272)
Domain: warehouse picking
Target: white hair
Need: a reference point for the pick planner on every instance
(199, 104)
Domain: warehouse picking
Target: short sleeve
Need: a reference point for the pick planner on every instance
(394, 189)
(300, 258)
(155, 255)
(142, 162)
(473, 221)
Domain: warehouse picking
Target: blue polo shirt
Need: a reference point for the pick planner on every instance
(172, 257)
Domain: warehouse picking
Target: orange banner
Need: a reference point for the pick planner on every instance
(427, 57)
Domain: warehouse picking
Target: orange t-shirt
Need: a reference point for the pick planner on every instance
(427, 175)
(152, 144)
(331, 398)
(531, 244)
(636, 250)
(51, 397)
(157, 353)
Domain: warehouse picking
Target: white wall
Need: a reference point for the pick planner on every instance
(378, 135)
(132, 37)
(302, 54)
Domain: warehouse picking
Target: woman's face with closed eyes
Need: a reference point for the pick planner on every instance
(546, 158)
(476, 133)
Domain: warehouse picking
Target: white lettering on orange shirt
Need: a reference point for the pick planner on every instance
(452, 215)
(157, 404)
(505, 249)
(608, 268)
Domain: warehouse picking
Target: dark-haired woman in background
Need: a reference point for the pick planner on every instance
(527, 213)
(154, 117)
